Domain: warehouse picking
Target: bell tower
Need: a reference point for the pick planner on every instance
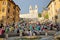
(36, 11)
(30, 9)
(36, 8)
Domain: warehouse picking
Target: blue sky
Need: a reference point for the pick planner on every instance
(24, 4)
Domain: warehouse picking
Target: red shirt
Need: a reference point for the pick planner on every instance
(1, 31)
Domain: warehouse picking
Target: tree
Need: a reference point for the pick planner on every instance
(39, 15)
(46, 16)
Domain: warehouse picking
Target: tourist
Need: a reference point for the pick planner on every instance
(15, 30)
(38, 27)
(23, 33)
(30, 32)
(30, 27)
(7, 29)
(11, 29)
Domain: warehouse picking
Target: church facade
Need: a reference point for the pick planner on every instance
(33, 13)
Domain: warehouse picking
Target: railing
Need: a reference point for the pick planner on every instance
(39, 35)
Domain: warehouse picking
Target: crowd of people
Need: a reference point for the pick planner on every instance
(27, 29)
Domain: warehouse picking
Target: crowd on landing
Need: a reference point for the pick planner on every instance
(27, 29)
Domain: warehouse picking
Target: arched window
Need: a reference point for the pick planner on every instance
(7, 17)
(8, 10)
(3, 9)
(9, 5)
(4, 3)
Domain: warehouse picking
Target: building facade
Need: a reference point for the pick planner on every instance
(33, 13)
(9, 11)
(44, 13)
(53, 9)
(17, 10)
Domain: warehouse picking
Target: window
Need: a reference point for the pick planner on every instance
(13, 18)
(3, 10)
(8, 10)
(18, 11)
(56, 17)
(3, 17)
(55, 3)
(4, 3)
(14, 7)
(14, 13)
(7, 17)
(9, 5)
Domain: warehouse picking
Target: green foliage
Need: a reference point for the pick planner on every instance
(39, 15)
(46, 16)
